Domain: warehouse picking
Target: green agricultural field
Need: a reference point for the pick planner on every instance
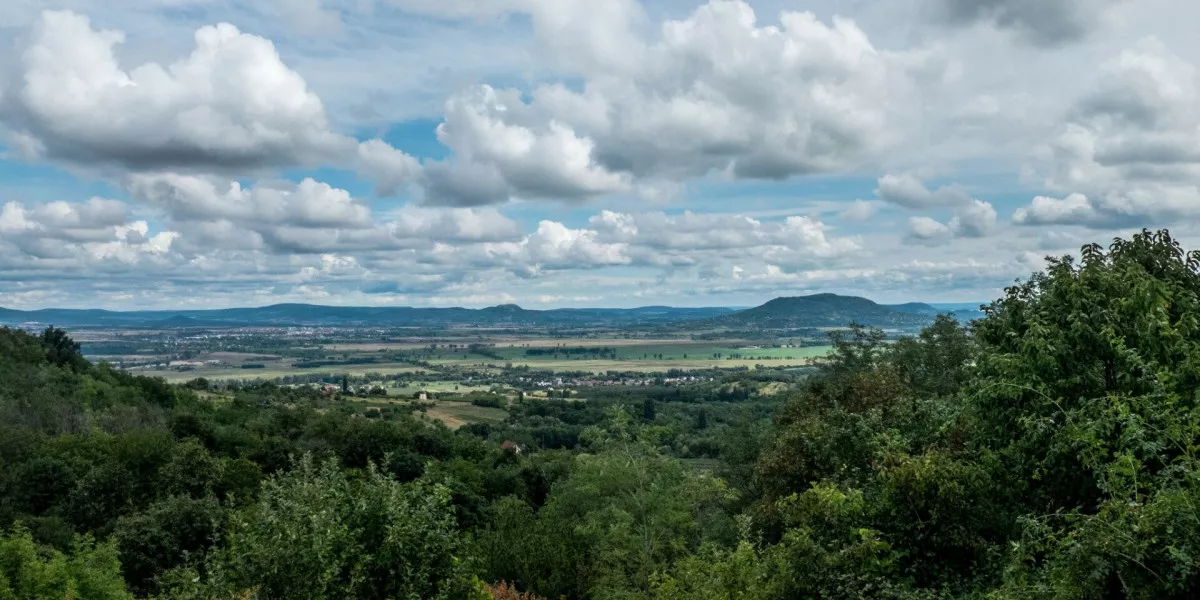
(663, 351)
(275, 371)
(655, 357)
(588, 355)
(584, 342)
(218, 373)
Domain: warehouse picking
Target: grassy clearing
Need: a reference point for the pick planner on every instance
(379, 402)
(457, 414)
(773, 389)
(214, 397)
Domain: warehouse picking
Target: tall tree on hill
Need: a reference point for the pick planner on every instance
(1087, 391)
(61, 349)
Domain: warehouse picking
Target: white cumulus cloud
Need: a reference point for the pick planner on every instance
(975, 219)
(231, 105)
(766, 102)
(908, 191)
(1129, 153)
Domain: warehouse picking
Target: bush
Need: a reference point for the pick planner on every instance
(315, 533)
(88, 570)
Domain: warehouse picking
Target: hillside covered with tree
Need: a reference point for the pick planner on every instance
(1048, 451)
(826, 310)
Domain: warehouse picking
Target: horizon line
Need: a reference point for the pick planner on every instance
(932, 303)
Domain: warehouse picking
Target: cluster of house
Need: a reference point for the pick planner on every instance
(329, 389)
(641, 380)
(192, 363)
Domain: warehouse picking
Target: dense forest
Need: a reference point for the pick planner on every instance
(1046, 450)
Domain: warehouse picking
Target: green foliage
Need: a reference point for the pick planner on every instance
(1087, 388)
(162, 491)
(649, 410)
(623, 515)
(1050, 455)
(715, 574)
(1047, 451)
(87, 572)
(868, 474)
(317, 532)
(191, 471)
(935, 362)
(166, 535)
(49, 387)
(40, 482)
(61, 350)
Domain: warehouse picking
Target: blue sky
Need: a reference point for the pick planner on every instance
(214, 153)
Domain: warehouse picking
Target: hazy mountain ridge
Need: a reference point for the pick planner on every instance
(819, 310)
(308, 315)
(917, 308)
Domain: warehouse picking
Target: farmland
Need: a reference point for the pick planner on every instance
(222, 372)
(590, 355)
(444, 378)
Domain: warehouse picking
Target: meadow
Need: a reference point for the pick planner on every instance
(457, 414)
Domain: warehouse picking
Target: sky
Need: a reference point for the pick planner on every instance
(556, 153)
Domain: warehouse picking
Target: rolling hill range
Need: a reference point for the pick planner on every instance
(820, 310)
(308, 315)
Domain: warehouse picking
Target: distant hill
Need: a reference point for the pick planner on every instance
(820, 310)
(964, 311)
(182, 322)
(309, 315)
(916, 308)
(826, 310)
